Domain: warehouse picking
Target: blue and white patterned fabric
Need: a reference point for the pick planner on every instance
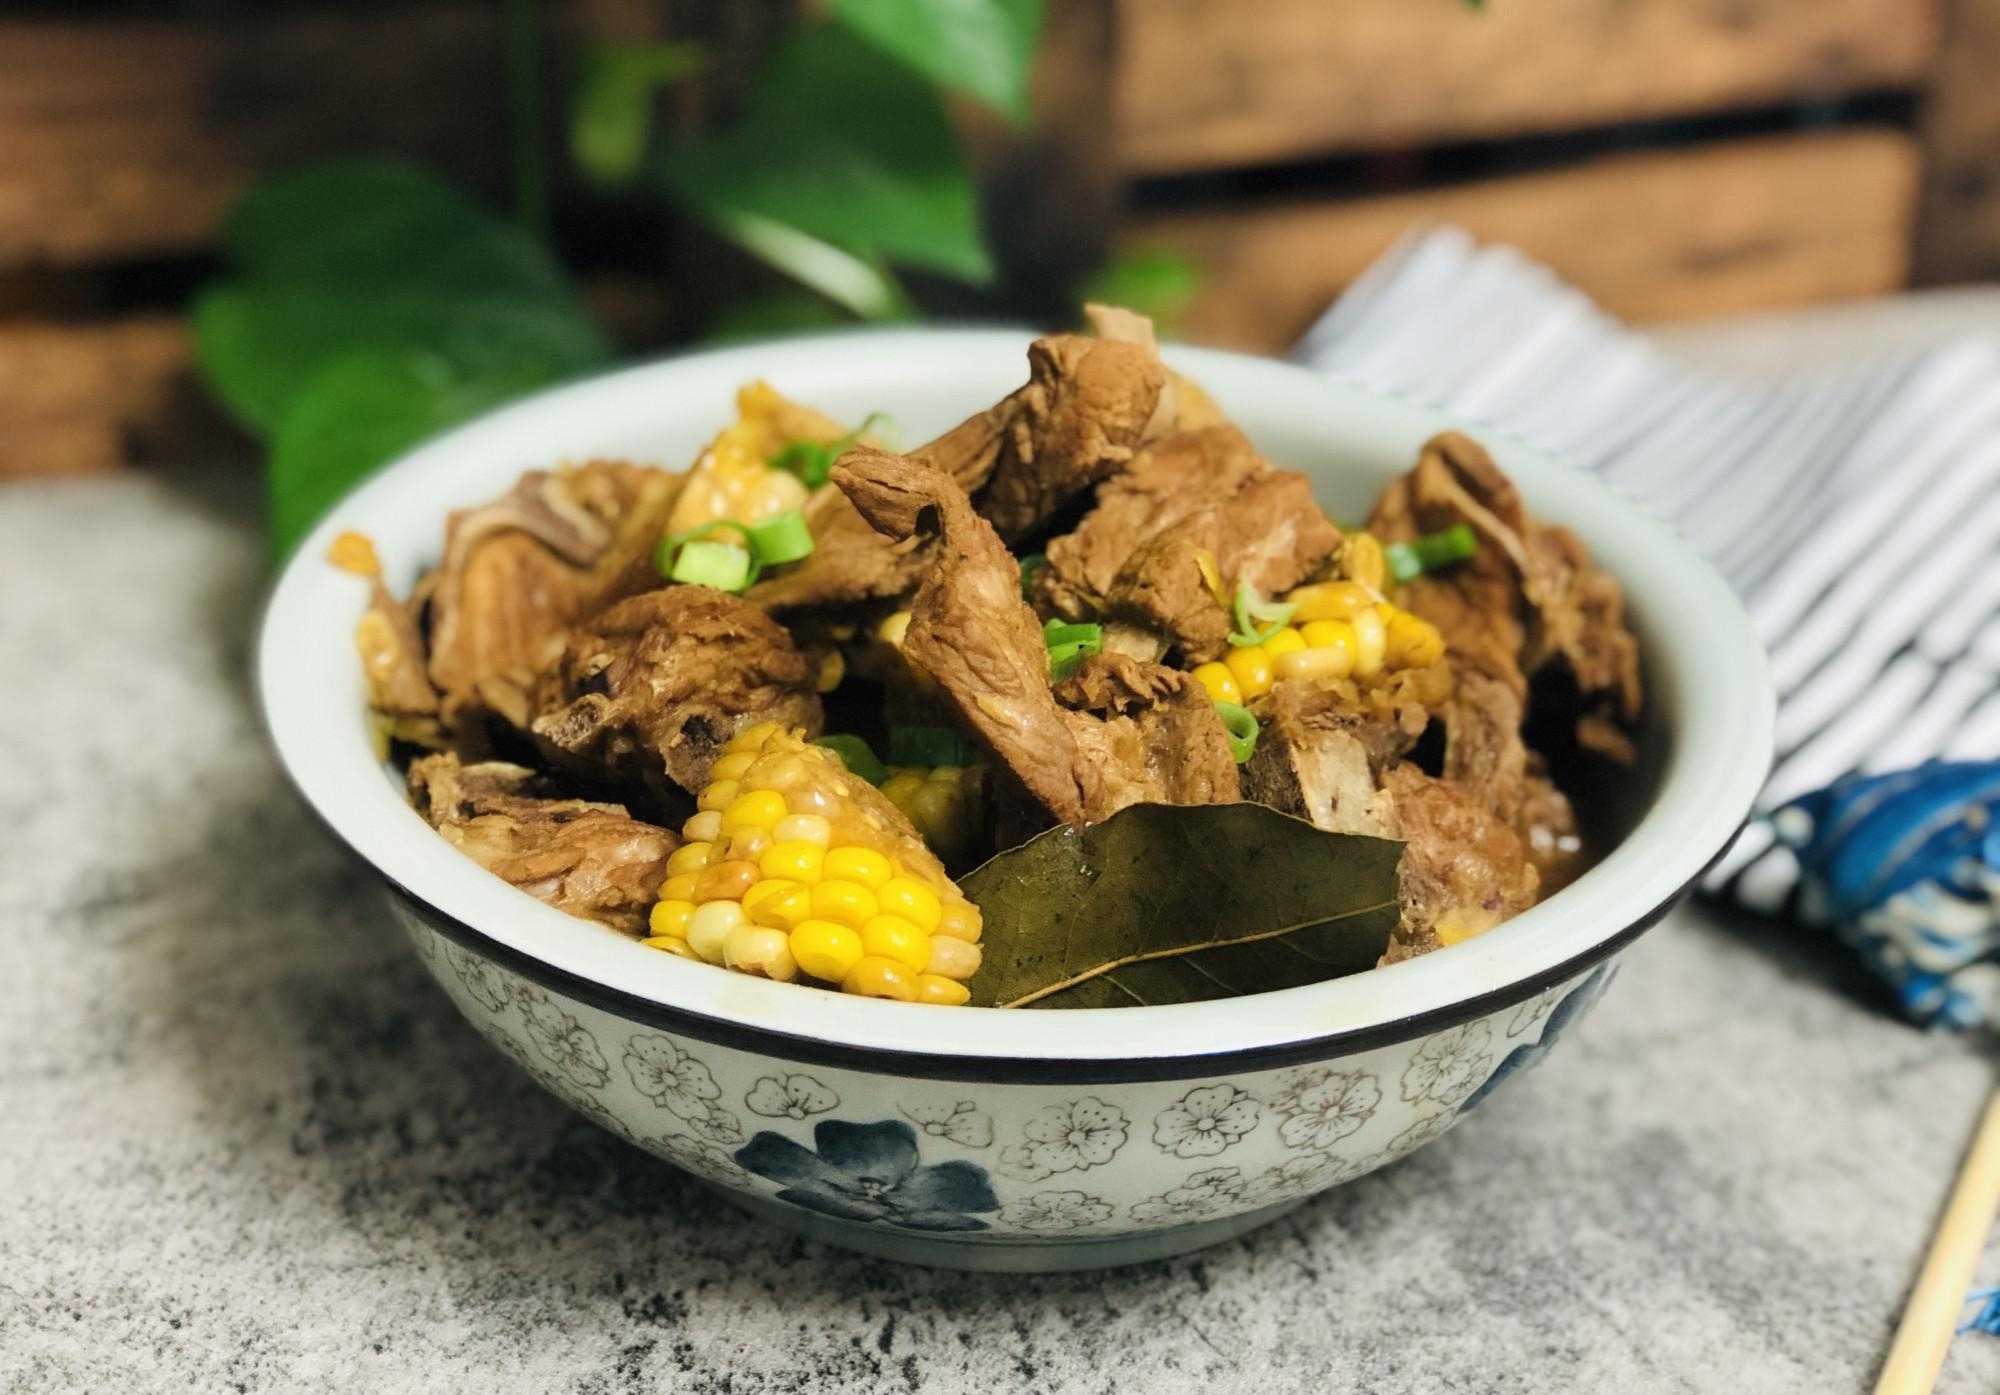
(1856, 511)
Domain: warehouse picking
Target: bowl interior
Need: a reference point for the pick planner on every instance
(1707, 741)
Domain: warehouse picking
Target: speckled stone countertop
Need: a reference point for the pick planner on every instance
(245, 1145)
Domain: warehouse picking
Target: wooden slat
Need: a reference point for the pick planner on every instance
(1728, 227)
(1205, 83)
(1958, 227)
(77, 398)
(126, 138)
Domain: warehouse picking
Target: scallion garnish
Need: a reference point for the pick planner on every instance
(667, 557)
(725, 566)
(857, 755)
(1432, 552)
(1241, 728)
(782, 539)
(1256, 618)
(812, 461)
(928, 746)
(1031, 567)
(1069, 645)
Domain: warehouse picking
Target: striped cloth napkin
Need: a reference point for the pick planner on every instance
(1857, 513)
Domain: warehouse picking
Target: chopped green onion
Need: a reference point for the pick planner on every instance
(1031, 567)
(669, 550)
(1432, 552)
(725, 566)
(1068, 645)
(812, 461)
(782, 539)
(1256, 618)
(1241, 729)
(857, 755)
(928, 746)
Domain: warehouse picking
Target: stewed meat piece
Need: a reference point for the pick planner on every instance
(589, 859)
(651, 690)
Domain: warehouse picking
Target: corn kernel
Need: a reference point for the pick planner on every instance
(1362, 561)
(899, 787)
(704, 827)
(1251, 667)
(732, 765)
(670, 918)
(724, 881)
(936, 809)
(893, 628)
(754, 809)
(719, 795)
(1219, 681)
(1313, 665)
(952, 958)
(825, 949)
(671, 944)
(751, 739)
(778, 903)
(757, 949)
(709, 927)
(892, 937)
(1328, 600)
(679, 888)
(934, 988)
(959, 919)
(798, 862)
(1335, 637)
(832, 669)
(689, 857)
(850, 903)
(1371, 638)
(747, 844)
(875, 977)
(912, 900)
(1413, 642)
(863, 865)
(809, 799)
(802, 828)
(1285, 641)
(1461, 923)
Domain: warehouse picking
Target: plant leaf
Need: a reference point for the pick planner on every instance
(611, 118)
(984, 48)
(360, 410)
(780, 312)
(1157, 284)
(846, 148)
(260, 345)
(1172, 903)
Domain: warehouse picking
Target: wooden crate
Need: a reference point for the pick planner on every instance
(124, 138)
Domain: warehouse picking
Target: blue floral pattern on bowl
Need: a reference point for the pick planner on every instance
(1573, 1006)
(872, 1172)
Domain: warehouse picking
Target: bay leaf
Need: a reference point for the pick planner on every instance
(1180, 903)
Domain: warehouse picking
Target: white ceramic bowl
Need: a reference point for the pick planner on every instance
(984, 1138)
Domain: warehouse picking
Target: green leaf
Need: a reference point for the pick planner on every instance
(984, 48)
(1157, 284)
(782, 312)
(260, 344)
(358, 411)
(611, 119)
(360, 225)
(843, 148)
(1166, 903)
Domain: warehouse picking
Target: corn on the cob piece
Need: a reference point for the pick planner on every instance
(734, 478)
(793, 866)
(945, 803)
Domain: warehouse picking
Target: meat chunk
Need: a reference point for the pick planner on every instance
(591, 860)
(650, 690)
(1156, 729)
(971, 636)
(1195, 508)
(392, 660)
(1326, 758)
(1090, 402)
(517, 572)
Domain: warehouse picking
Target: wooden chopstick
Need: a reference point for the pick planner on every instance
(1939, 1296)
